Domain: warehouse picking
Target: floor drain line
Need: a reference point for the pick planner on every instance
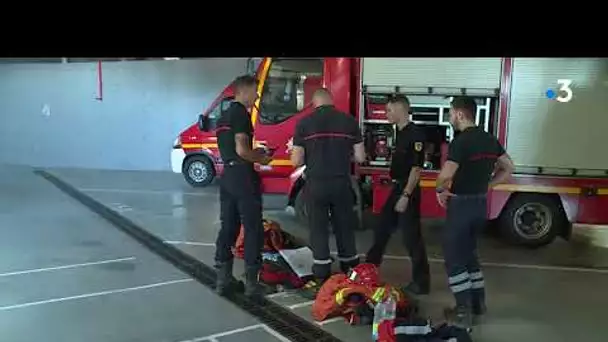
(278, 318)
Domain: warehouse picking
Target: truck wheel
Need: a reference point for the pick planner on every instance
(198, 171)
(532, 220)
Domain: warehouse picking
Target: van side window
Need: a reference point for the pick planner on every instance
(216, 112)
(287, 87)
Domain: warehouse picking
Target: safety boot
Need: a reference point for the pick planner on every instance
(346, 266)
(226, 283)
(253, 288)
(479, 310)
(460, 316)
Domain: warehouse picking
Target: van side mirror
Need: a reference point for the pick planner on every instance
(203, 123)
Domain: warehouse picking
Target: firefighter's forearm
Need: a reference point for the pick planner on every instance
(412, 180)
(501, 176)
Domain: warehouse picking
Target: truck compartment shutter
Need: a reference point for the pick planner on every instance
(479, 76)
(543, 132)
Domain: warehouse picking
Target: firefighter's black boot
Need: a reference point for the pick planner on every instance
(460, 316)
(479, 305)
(226, 283)
(253, 288)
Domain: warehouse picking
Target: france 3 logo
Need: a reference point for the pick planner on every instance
(563, 94)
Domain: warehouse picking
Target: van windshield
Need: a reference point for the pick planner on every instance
(252, 64)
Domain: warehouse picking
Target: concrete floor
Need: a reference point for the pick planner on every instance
(67, 275)
(550, 294)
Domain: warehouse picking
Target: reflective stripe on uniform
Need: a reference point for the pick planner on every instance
(322, 262)
(477, 280)
(479, 284)
(476, 275)
(461, 287)
(339, 297)
(378, 294)
(413, 330)
(458, 278)
(460, 282)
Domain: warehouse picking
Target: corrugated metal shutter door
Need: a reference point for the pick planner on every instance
(481, 73)
(548, 133)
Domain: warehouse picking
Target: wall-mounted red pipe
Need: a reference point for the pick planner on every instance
(99, 82)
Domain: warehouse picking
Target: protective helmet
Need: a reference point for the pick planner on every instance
(364, 274)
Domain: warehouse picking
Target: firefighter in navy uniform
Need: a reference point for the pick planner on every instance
(475, 161)
(326, 142)
(240, 191)
(402, 208)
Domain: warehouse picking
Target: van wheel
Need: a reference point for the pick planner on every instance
(198, 171)
(532, 220)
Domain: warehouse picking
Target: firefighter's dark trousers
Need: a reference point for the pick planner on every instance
(331, 198)
(466, 216)
(240, 202)
(409, 224)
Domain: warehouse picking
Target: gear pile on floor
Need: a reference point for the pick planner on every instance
(275, 273)
(360, 296)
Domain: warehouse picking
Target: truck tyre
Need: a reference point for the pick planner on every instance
(531, 220)
(198, 171)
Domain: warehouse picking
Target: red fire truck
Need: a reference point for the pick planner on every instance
(549, 113)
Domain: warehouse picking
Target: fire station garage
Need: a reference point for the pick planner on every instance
(110, 196)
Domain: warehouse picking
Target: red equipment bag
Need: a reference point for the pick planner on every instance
(274, 239)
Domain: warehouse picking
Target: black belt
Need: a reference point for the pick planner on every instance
(231, 163)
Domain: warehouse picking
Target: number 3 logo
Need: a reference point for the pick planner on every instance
(565, 91)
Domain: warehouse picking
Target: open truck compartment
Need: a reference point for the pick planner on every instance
(429, 85)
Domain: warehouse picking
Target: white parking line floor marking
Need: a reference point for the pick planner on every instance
(158, 192)
(65, 267)
(94, 294)
(441, 261)
(331, 320)
(301, 305)
(516, 266)
(191, 243)
(275, 334)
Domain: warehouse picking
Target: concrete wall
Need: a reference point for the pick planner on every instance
(50, 118)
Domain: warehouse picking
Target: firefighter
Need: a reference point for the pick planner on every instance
(462, 186)
(402, 208)
(240, 190)
(325, 142)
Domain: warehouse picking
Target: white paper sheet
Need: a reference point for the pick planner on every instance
(300, 260)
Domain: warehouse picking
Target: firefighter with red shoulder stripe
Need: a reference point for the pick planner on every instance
(325, 142)
(240, 191)
(402, 208)
(476, 160)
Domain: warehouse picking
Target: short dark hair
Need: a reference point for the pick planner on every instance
(244, 81)
(466, 104)
(401, 99)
